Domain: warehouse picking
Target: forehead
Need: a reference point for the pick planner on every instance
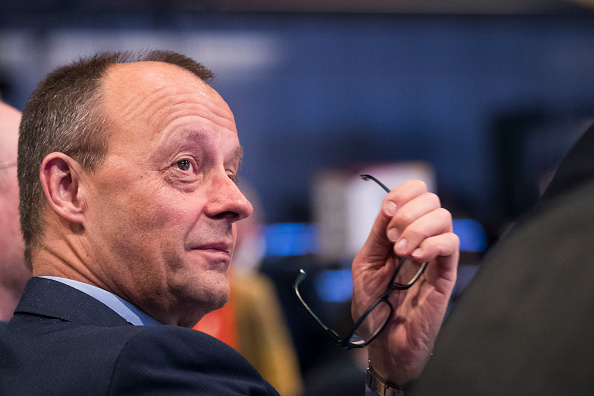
(146, 99)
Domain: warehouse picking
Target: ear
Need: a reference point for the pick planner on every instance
(60, 178)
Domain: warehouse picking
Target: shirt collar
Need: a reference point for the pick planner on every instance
(122, 307)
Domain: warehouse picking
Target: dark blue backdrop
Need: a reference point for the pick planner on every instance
(442, 89)
(457, 91)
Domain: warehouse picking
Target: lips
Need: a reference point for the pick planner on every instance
(219, 248)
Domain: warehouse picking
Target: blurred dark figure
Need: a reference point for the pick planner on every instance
(525, 324)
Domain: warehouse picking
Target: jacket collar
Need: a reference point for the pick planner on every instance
(49, 298)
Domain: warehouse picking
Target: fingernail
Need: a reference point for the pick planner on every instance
(392, 234)
(401, 245)
(389, 208)
(416, 253)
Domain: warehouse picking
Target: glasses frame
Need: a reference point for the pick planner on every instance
(346, 343)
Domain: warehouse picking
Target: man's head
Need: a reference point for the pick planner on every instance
(136, 157)
(13, 273)
(64, 115)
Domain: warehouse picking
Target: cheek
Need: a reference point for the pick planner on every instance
(157, 223)
(132, 202)
(140, 218)
(129, 220)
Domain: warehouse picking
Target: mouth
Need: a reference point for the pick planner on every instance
(219, 250)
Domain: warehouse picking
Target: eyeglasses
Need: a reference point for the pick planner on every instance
(377, 315)
(7, 164)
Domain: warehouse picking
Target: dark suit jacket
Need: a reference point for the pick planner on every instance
(525, 326)
(62, 341)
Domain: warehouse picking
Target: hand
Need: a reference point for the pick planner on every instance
(413, 224)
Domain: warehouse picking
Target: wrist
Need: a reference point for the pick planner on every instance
(399, 367)
(380, 386)
(385, 366)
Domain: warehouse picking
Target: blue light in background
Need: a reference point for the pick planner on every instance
(290, 239)
(473, 237)
(295, 239)
(334, 285)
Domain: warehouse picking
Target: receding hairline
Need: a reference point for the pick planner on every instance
(151, 67)
(154, 73)
(124, 85)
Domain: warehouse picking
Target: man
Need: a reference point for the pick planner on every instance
(127, 168)
(13, 272)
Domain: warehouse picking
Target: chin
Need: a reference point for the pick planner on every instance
(217, 301)
(192, 317)
(195, 295)
(199, 305)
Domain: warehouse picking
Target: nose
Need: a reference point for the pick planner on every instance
(226, 201)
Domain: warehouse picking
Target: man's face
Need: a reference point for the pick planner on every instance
(161, 209)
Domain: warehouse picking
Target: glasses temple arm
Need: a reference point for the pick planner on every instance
(369, 177)
(328, 330)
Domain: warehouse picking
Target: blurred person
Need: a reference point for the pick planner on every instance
(524, 325)
(252, 321)
(127, 165)
(13, 272)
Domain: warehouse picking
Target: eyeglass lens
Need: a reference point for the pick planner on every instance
(371, 323)
(408, 273)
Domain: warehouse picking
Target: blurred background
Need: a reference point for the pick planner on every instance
(479, 98)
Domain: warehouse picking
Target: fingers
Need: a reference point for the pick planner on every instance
(401, 195)
(446, 244)
(419, 227)
(390, 206)
(411, 223)
(407, 236)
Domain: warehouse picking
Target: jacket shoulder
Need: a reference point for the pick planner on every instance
(175, 360)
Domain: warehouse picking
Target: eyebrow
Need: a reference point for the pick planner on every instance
(239, 152)
(181, 140)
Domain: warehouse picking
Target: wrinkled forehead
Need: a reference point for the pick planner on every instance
(148, 96)
(127, 80)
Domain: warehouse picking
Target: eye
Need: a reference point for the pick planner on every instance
(184, 164)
